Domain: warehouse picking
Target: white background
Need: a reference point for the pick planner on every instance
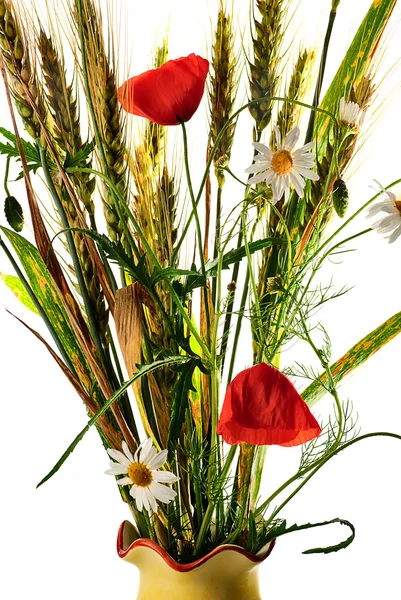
(59, 541)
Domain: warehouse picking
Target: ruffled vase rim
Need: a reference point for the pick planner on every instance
(185, 568)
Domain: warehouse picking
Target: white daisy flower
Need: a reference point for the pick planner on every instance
(392, 207)
(142, 474)
(284, 166)
(351, 113)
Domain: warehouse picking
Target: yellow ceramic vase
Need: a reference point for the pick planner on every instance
(226, 573)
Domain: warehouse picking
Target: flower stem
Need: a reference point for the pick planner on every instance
(322, 67)
(6, 172)
(216, 492)
(198, 231)
(74, 256)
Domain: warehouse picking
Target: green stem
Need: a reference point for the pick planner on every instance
(316, 97)
(107, 267)
(230, 307)
(231, 539)
(209, 511)
(198, 231)
(196, 478)
(238, 327)
(6, 172)
(216, 238)
(252, 280)
(214, 395)
(73, 253)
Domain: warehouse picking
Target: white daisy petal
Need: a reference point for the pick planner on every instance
(384, 206)
(145, 449)
(395, 235)
(151, 455)
(164, 477)
(291, 138)
(278, 137)
(133, 491)
(278, 188)
(308, 174)
(351, 113)
(119, 456)
(257, 178)
(304, 149)
(269, 174)
(158, 461)
(387, 224)
(139, 494)
(126, 451)
(151, 499)
(124, 481)
(145, 500)
(255, 168)
(298, 183)
(262, 148)
(162, 492)
(117, 470)
(304, 160)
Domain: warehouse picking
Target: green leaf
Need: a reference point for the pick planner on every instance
(115, 252)
(180, 403)
(276, 532)
(46, 293)
(355, 357)
(170, 273)
(237, 254)
(252, 542)
(357, 58)
(80, 158)
(30, 150)
(18, 289)
(142, 371)
(14, 213)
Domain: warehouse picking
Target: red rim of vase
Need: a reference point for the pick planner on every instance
(185, 568)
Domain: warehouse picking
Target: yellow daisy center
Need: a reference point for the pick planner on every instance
(140, 474)
(282, 162)
(397, 204)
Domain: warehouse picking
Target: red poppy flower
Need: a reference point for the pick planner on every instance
(262, 407)
(168, 95)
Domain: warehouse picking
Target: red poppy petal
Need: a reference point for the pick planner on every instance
(262, 407)
(168, 95)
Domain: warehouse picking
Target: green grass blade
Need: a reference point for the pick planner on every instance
(17, 287)
(355, 357)
(142, 371)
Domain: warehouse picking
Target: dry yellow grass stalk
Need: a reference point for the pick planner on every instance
(22, 73)
(103, 91)
(66, 130)
(289, 113)
(223, 88)
(264, 68)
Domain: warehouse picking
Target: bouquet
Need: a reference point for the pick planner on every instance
(150, 276)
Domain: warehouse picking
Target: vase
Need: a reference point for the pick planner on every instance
(227, 573)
